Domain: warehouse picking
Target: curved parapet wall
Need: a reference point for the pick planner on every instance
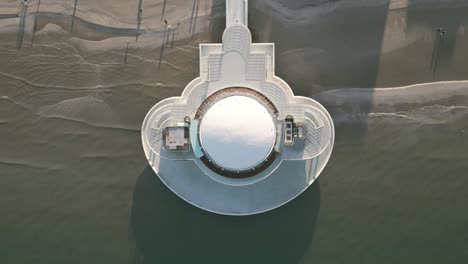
(303, 130)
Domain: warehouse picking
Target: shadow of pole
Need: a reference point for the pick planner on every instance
(193, 15)
(173, 39)
(163, 10)
(439, 44)
(22, 24)
(126, 53)
(195, 19)
(163, 45)
(434, 56)
(139, 17)
(217, 21)
(73, 16)
(168, 230)
(35, 22)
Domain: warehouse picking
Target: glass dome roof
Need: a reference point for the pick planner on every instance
(237, 133)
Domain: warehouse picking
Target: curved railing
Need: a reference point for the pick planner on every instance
(237, 38)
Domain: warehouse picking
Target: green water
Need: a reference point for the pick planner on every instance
(75, 186)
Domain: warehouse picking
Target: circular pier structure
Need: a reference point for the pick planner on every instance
(238, 141)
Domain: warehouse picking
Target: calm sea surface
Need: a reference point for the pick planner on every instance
(75, 186)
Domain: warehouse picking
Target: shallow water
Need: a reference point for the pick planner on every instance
(76, 187)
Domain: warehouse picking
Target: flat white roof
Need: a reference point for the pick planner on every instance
(237, 133)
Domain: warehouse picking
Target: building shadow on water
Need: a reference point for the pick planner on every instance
(320, 47)
(323, 46)
(166, 229)
(217, 20)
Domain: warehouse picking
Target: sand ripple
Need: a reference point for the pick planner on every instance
(429, 103)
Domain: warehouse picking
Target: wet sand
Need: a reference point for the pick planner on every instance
(75, 183)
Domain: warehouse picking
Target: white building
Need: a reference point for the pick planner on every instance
(238, 142)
